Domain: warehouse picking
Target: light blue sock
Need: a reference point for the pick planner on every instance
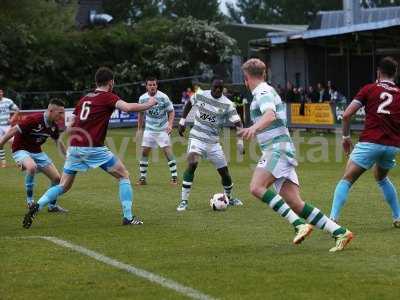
(126, 197)
(53, 203)
(50, 196)
(390, 194)
(29, 184)
(340, 198)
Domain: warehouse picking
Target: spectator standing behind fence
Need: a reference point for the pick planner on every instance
(281, 91)
(336, 96)
(302, 100)
(329, 88)
(312, 95)
(189, 92)
(323, 93)
(290, 96)
(296, 95)
(185, 97)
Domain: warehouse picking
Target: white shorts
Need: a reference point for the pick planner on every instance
(212, 152)
(4, 129)
(153, 139)
(279, 167)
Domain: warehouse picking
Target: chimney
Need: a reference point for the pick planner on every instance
(352, 12)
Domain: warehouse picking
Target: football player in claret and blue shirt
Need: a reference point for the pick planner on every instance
(379, 142)
(87, 149)
(29, 135)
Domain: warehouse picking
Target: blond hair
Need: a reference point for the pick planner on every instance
(255, 68)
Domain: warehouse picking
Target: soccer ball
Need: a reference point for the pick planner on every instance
(219, 202)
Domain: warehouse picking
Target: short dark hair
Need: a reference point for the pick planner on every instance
(103, 76)
(57, 102)
(151, 78)
(388, 66)
(217, 80)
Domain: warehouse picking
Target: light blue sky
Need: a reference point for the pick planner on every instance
(222, 5)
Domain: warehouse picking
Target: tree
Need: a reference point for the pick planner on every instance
(198, 9)
(38, 15)
(47, 55)
(133, 11)
(182, 47)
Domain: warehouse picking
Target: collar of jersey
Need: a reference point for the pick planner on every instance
(99, 91)
(261, 86)
(155, 95)
(387, 81)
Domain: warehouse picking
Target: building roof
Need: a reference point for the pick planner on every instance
(332, 23)
(272, 27)
(243, 33)
(336, 19)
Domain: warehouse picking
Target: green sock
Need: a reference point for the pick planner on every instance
(277, 204)
(187, 184)
(315, 217)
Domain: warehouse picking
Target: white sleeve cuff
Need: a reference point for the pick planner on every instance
(182, 121)
(358, 101)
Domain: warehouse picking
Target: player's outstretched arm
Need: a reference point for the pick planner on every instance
(186, 110)
(131, 107)
(354, 106)
(9, 134)
(265, 121)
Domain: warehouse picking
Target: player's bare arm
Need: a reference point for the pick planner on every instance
(60, 144)
(186, 110)
(265, 121)
(171, 117)
(14, 116)
(140, 123)
(9, 134)
(132, 107)
(348, 114)
(239, 141)
(140, 126)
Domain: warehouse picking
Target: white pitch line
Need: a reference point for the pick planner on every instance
(164, 282)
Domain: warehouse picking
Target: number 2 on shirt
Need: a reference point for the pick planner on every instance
(387, 100)
(85, 110)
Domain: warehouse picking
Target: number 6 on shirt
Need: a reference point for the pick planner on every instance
(85, 110)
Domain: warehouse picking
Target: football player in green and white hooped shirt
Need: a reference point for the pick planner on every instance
(7, 107)
(278, 162)
(213, 111)
(158, 127)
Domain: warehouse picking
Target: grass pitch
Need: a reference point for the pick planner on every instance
(242, 253)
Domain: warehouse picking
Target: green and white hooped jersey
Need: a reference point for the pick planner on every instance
(157, 116)
(210, 116)
(276, 137)
(7, 106)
